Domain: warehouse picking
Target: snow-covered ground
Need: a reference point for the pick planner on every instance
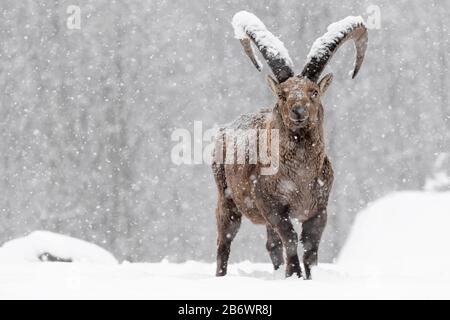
(194, 280)
(398, 249)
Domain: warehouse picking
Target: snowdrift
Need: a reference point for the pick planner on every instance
(45, 245)
(403, 234)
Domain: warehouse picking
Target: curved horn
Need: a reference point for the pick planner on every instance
(248, 27)
(337, 34)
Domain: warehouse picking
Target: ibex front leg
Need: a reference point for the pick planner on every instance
(275, 247)
(311, 233)
(278, 219)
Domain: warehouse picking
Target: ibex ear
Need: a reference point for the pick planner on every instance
(274, 86)
(325, 83)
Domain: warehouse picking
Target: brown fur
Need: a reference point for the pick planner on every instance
(299, 189)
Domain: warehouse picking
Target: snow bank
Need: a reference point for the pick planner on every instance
(245, 22)
(37, 243)
(333, 34)
(403, 234)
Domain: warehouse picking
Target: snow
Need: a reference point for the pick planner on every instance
(333, 34)
(247, 23)
(195, 280)
(403, 234)
(440, 179)
(398, 249)
(88, 115)
(30, 247)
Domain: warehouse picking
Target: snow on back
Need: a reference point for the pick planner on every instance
(30, 247)
(333, 34)
(403, 234)
(245, 22)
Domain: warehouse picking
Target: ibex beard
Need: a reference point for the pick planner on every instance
(300, 186)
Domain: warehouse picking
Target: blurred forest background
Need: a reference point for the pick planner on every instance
(86, 115)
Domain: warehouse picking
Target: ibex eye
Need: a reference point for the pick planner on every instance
(315, 94)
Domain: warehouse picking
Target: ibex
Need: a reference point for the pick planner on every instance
(301, 186)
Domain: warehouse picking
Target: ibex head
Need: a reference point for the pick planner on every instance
(299, 95)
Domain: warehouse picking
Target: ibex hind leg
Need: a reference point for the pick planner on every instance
(228, 220)
(274, 246)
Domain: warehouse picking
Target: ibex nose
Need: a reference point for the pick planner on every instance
(300, 114)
